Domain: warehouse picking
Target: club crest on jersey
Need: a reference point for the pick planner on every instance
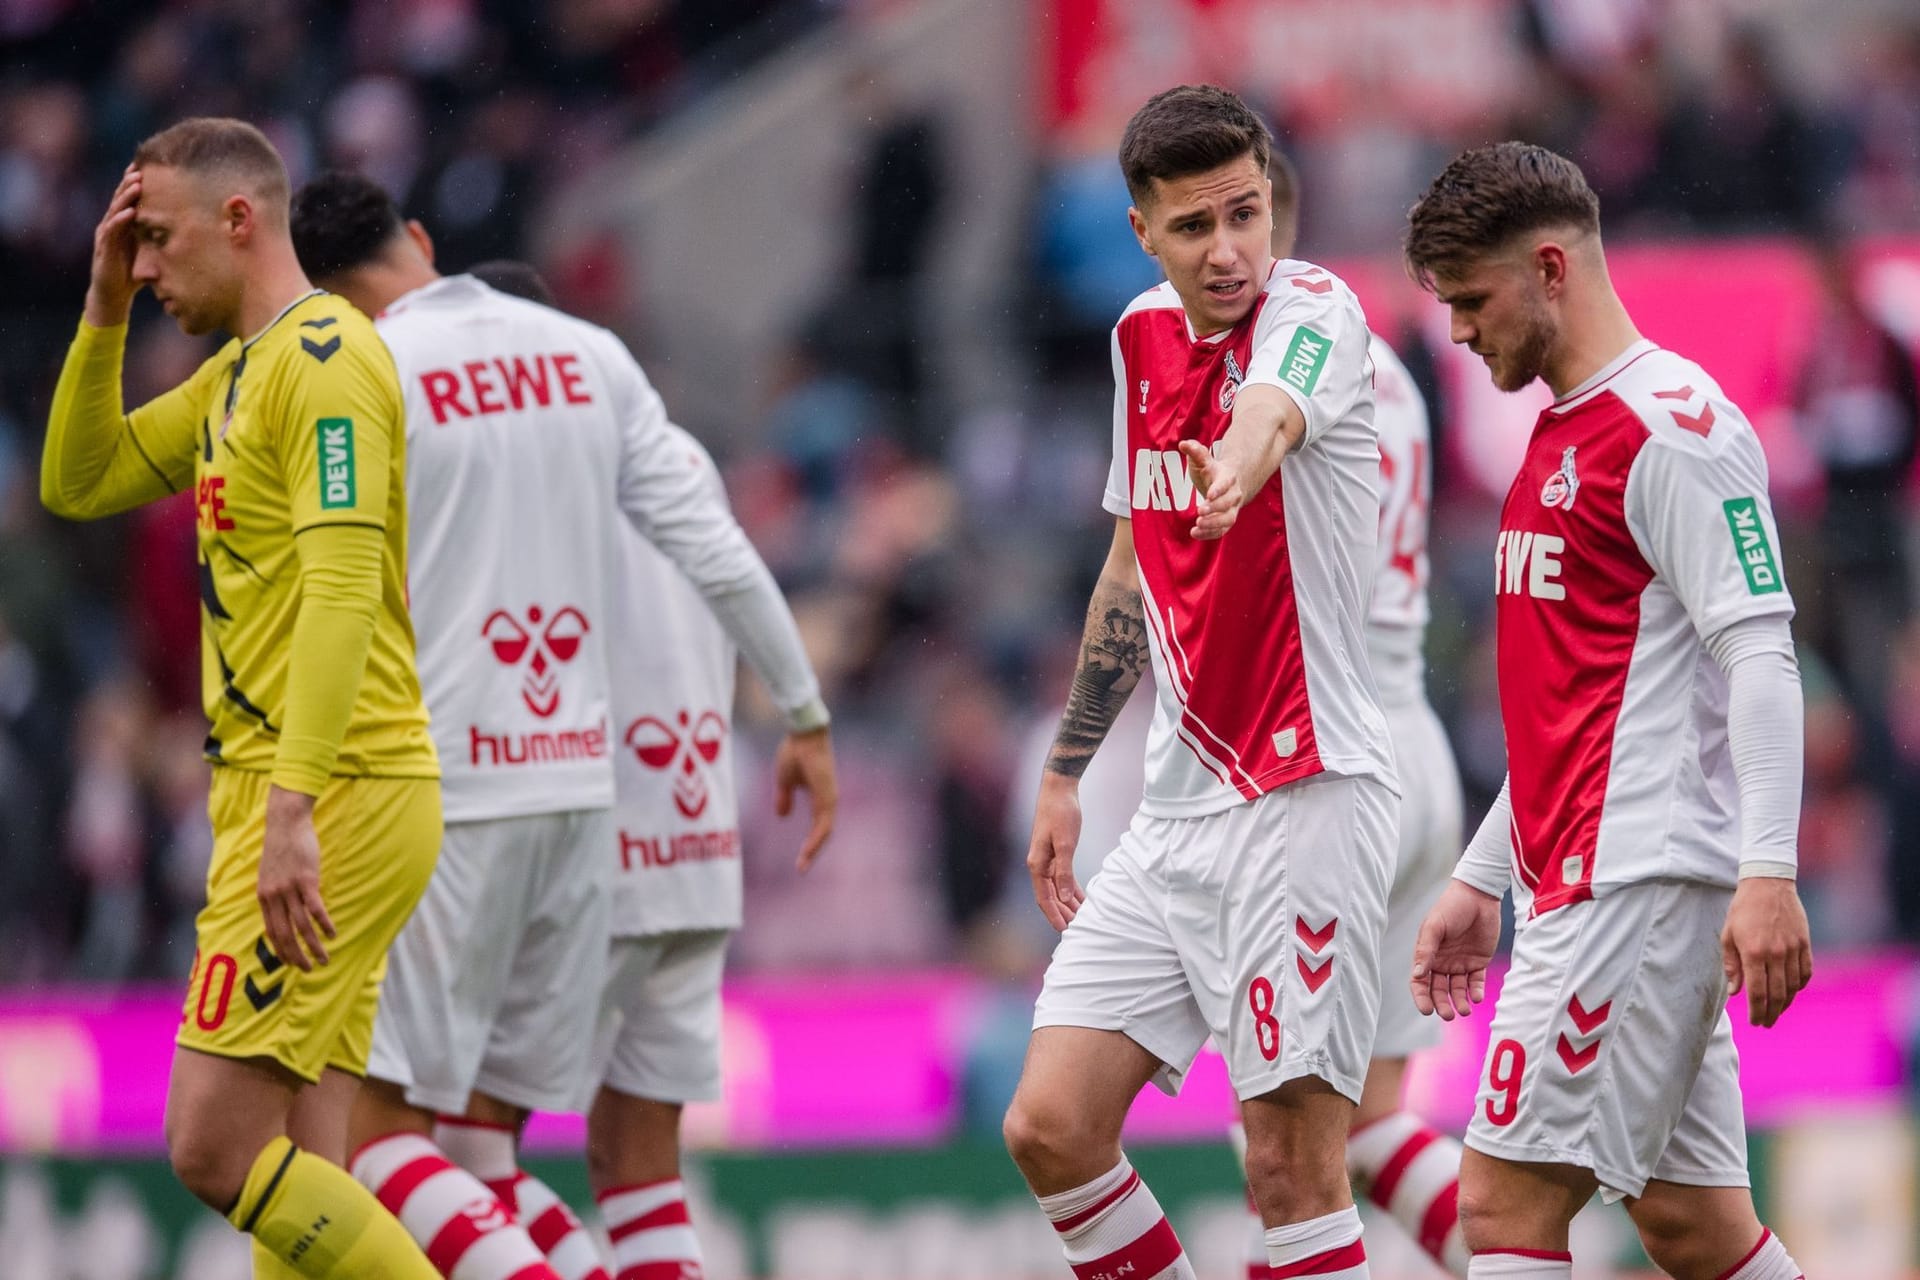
(1563, 485)
(1230, 388)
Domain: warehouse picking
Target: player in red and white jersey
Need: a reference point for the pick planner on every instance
(1247, 898)
(535, 445)
(1651, 701)
(1406, 1167)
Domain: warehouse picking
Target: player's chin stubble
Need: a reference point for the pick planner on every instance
(1529, 356)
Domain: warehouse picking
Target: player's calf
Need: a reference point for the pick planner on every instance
(1515, 1216)
(1412, 1171)
(1708, 1233)
(1296, 1171)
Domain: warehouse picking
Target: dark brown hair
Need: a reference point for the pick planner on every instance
(1188, 130)
(1488, 196)
(218, 145)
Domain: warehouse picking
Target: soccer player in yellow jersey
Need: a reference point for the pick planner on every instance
(325, 800)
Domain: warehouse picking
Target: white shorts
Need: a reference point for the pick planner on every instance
(659, 1032)
(1259, 926)
(1611, 1048)
(494, 983)
(1430, 844)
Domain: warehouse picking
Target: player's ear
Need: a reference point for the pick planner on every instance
(421, 240)
(1550, 268)
(237, 214)
(1138, 222)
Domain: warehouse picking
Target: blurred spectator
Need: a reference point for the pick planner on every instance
(1741, 152)
(1858, 408)
(1883, 112)
(1843, 826)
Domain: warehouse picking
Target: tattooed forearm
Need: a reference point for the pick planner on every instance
(1113, 653)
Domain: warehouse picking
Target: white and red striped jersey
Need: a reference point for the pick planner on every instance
(1258, 646)
(530, 435)
(677, 809)
(1639, 523)
(1397, 613)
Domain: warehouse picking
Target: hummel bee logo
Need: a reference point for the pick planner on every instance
(262, 997)
(1144, 384)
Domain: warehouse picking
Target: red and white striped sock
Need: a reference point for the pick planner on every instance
(466, 1232)
(490, 1152)
(1257, 1268)
(1767, 1260)
(652, 1235)
(1114, 1226)
(557, 1231)
(1520, 1264)
(1413, 1172)
(1324, 1248)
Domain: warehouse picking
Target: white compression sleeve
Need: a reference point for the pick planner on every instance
(1487, 863)
(1764, 735)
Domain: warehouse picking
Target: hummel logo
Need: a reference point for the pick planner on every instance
(321, 351)
(1144, 384)
(1316, 939)
(1314, 978)
(1577, 1060)
(1700, 424)
(1585, 1021)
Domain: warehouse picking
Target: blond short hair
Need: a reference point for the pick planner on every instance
(220, 147)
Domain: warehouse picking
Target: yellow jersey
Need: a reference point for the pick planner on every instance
(299, 427)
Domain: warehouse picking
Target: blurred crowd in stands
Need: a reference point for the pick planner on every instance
(937, 556)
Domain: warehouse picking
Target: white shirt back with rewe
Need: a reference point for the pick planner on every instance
(530, 435)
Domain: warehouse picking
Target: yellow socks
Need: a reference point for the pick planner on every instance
(318, 1223)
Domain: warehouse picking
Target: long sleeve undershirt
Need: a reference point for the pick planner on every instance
(340, 585)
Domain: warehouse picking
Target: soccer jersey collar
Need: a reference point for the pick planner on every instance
(445, 286)
(1605, 374)
(284, 312)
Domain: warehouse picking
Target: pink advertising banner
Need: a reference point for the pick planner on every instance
(875, 1061)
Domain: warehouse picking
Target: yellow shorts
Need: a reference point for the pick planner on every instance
(379, 838)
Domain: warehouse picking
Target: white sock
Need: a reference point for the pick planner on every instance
(1324, 1248)
(1520, 1264)
(1413, 1172)
(1112, 1223)
(1768, 1261)
(652, 1235)
(465, 1230)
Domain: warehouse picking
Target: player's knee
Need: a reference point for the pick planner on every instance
(206, 1167)
(1043, 1138)
(1489, 1220)
(1299, 1179)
